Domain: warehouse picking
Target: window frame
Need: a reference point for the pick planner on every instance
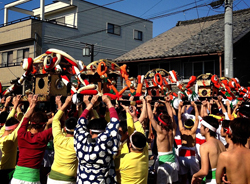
(203, 65)
(115, 26)
(7, 64)
(136, 35)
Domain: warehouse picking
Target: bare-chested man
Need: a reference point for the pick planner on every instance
(187, 157)
(209, 151)
(166, 165)
(236, 161)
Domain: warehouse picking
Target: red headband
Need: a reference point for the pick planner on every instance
(34, 123)
(244, 116)
(159, 119)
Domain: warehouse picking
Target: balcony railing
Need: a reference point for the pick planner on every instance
(37, 18)
(3, 65)
(19, 20)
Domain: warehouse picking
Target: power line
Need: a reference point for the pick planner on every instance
(246, 4)
(97, 6)
(124, 25)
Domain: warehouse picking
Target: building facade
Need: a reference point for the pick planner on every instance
(69, 26)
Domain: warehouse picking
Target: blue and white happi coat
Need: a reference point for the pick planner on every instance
(96, 164)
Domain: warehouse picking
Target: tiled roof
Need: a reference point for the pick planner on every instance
(198, 36)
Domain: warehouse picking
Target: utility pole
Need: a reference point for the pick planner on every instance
(228, 39)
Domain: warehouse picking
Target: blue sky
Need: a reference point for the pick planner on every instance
(147, 9)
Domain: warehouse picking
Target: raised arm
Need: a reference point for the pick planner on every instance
(144, 110)
(15, 103)
(56, 125)
(150, 114)
(228, 108)
(168, 107)
(204, 108)
(221, 104)
(181, 128)
(196, 123)
(110, 106)
(6, 104)
(31, 107)
(130, 121)
(33, 101)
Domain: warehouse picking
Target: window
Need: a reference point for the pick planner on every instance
(143, 69)
(209, 67)
(203, 67)
(154, 66)
(187, 70)
(198, 69)
(165, 66)
(7, 58)
(60, 20)
(137, 35)
(21, 54)
(114, 29)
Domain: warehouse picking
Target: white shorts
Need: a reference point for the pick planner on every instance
(51, 181)
(188, 160)
(167, 172)
(17, 181)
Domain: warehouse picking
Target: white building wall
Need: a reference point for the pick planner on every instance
(91, 28)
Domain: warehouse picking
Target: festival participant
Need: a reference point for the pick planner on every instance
(96, 143)
(225, 133)
(32, 145)
(5, 110)
(132, 167)
(189, 163)
(64, 167)
(236, 161)
(209, 151)
(166, 165)
(8, 144)
(125, 132)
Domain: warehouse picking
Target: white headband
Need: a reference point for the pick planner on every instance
(130, 138)
(69, 130)
(208, 125)
(97, 131)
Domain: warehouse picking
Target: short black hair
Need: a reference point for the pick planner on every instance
(225, 123)
(245, 111)
(97, 124)
(3, 116)
(213, 122)
(214, 109)
(167, 119)
(189, 123)
(70, 123)
(240, 130)
(11, 121)
(123, 125)
(139, 140)
(38, 118)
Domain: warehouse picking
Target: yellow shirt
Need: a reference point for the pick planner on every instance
(130, 124)
(65, 161)
(8, 146)
(132, 167)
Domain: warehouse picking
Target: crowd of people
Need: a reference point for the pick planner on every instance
(102, 141)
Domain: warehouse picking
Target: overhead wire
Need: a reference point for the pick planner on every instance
(246, 4)
(97, 6)
(123, 25)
